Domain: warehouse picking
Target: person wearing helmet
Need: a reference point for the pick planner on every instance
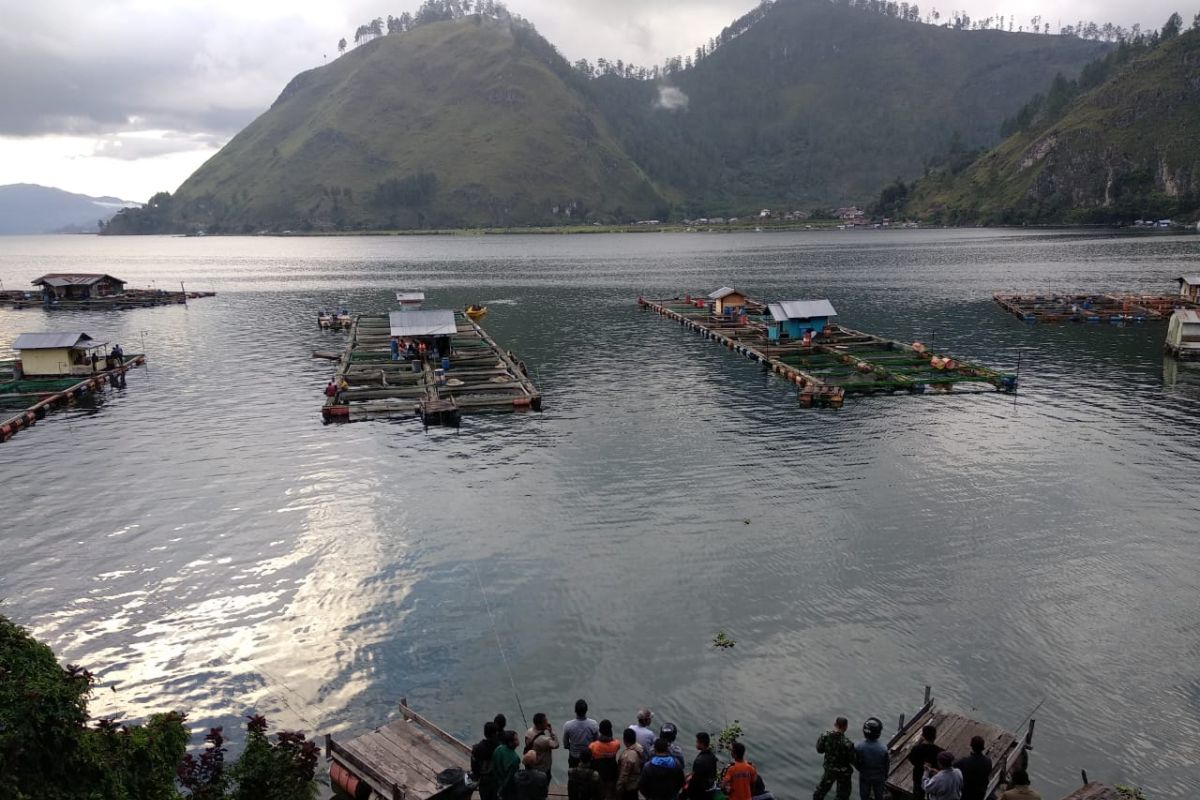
(668, 732)
(871, 760)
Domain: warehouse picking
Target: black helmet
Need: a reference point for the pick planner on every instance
(668, 731)
(872, 728)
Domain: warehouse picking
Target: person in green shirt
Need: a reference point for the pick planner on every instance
(505, 762)
(839, 761)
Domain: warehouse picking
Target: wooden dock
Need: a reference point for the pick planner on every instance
(132, 298)
(1007, 750)
(481, 377)
(838, 362)
(1112, 309)
(33, 398)
(401, 760)
(1094, 791)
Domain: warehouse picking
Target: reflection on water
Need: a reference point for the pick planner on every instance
(1002, 549)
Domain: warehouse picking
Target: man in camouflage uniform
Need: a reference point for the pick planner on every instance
(839, 761)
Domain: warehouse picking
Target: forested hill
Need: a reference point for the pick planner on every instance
(1116, 146)
(464, 116)
(820, 103)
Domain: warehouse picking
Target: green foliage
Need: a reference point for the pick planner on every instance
(47, 751)
(730, 734)
(411, 191)
(279, 770)
(1130, 792)
(722, 641)
(157, 216)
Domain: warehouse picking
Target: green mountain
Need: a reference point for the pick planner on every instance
(819, 103)
(466, 122)
(478, 121)
(1116, 151)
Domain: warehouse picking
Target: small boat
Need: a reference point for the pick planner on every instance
(324, 319)
(476, 311)
(344, 319)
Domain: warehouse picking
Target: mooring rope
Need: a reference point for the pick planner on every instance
(500, 645)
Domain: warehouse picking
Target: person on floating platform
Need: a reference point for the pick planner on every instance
(331, 390)
(704, 770)
(943, 782)
(669, 732)
(118, 355)
(531, 783)
(976, 770)
(604, 759)
(583, 782)
(394, 346)
(871, 761)
(1019, 788)
(839, 761)
(541, 741)
(645, 734)
(629, 767)
(924, 754)
(481, 761)
(579, 733)
(662, 777)
(505, 762)
(739, 778)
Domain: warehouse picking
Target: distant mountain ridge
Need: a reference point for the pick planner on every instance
(30, 208)
(479, 121)
(1123, 150)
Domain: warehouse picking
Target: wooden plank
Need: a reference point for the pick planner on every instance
(384, 764)
(351, 761)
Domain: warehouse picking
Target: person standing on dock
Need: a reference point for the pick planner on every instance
(604, 759)
(583, 782)
(871, 760)
(541, 741)
(629, 767)
(738, 783)
(839, 761)
(481, 761)
(579, 733)
(531, 783)
(394, 346)
(662, 777)
(924, 753)
(976, 769)
(943, 782)
(704, 770)
(505, 762)
(645, 734)
(1019, 787)
(118, 355)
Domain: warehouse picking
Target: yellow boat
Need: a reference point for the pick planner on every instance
(476, 312)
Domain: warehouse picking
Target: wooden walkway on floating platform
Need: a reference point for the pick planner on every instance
(840, 361)
(482, 377)
(1094, 791)
(133, 298)
(401, 760)
(35, 397)
(1114, 309)
(1007, 750)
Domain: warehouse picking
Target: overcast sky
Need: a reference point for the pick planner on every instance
(128, 97)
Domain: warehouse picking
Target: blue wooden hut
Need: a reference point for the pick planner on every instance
(794, 318)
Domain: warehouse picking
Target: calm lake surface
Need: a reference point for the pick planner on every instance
(204, 543)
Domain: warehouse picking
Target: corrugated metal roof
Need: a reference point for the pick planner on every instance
(1188, 316)
(724, 291)
(53, 340)
(423, 323)
(410, 297)
(73, 279)
(800, 309)
(1190, 280)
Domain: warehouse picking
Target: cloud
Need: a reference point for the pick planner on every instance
(671, 98)
(151, 144)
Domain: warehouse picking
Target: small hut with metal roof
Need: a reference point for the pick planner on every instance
(58, 353)
(434, 326)
(794, 318)
(727, 301)
(1183, 334)
(78, 285)
(1189, 287)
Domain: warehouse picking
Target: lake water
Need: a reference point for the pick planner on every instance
(204, 543)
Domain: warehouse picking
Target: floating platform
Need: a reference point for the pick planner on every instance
(24, 402)
(838, 362)
(1112, 309)
(481, 377)
(1008, 750)
(1095, 791)
(402, 761)
(132, 298)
